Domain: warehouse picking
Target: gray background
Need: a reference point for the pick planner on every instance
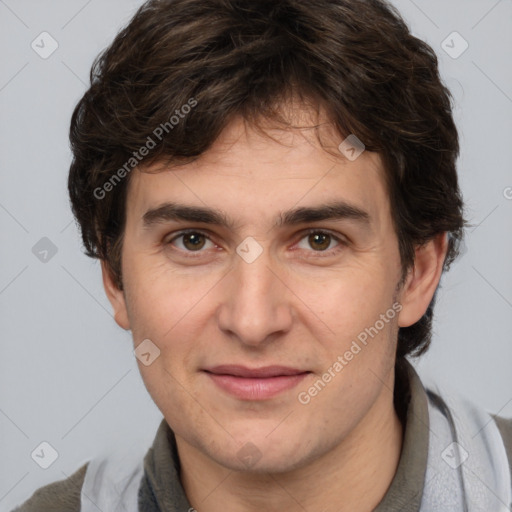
(67, 372)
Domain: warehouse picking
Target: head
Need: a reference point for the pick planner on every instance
(224, 118)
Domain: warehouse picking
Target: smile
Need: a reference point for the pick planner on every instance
(255, 384)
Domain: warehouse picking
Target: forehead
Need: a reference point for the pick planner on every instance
(258, 169)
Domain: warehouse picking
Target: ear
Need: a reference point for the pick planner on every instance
(422, 280)
(116, 297)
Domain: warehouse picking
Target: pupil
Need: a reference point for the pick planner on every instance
(194, 240)
(317, 240)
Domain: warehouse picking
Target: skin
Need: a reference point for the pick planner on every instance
(301, 304)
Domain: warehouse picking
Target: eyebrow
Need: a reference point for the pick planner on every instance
(337, 210)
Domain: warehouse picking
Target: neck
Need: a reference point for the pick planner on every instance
(354, 476)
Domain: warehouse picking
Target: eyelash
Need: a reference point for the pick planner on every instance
(341, 242)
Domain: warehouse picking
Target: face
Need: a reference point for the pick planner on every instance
(259, 296)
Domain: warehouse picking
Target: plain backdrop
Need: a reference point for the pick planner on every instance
(67, 372)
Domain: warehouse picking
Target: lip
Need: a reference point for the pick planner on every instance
(255, 383)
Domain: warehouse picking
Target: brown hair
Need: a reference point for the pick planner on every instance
(356, 59)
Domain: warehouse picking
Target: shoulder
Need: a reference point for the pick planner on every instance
(60, 496)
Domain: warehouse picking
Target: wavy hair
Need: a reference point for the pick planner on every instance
(356, 59)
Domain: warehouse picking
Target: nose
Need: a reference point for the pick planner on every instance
(256, 306)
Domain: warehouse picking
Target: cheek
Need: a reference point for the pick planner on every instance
(348, 302)
(359, 325)
(172, 314)
(171, 392)
(159, 300)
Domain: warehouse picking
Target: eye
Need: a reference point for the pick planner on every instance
(318, 240)
(191, 241)
(321, 241)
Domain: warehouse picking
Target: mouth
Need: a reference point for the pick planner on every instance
(255, 383)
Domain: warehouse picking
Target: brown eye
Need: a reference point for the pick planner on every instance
(191, 241)
(319, 241)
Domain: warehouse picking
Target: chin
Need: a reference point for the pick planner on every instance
(266, 463)
(260, 455)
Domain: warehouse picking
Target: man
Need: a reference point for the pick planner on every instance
(271, 188)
